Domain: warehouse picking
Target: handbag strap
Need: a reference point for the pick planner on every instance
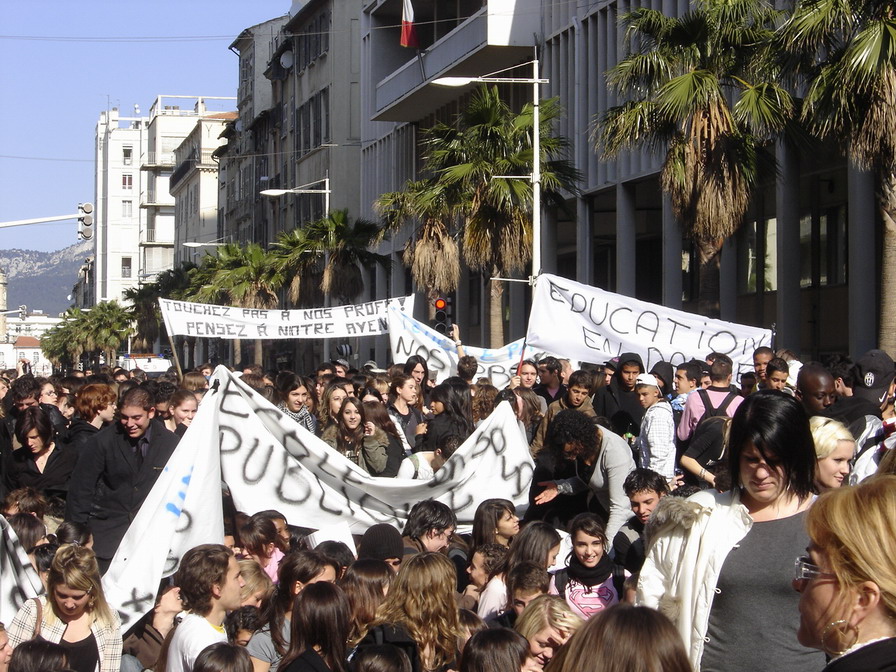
(40, 617)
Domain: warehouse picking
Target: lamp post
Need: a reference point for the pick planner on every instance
(304, 189)
(535, 176)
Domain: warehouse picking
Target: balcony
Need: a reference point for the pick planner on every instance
(156, 160)
(153, 237)
(184, 167)
(499, 35)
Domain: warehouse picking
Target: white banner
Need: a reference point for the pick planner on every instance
(408, 336)
(18, 580)
(270, 462)
(594, 325)
(183, 318)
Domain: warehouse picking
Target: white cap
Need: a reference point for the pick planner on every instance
(647, 379)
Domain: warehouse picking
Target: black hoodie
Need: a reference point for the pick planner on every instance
(620, 406)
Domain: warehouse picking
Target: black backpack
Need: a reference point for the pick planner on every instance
(711, 412)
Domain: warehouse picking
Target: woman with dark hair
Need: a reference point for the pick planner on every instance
(38, 655)
(722, 563)
(262, 542)
(497, 650)
(294, 400)
(298, 570)
(404, 392)
(330, 406)
(41, 463)
(223, 657)
(417, 368)
(366, 583)
(449, 418)
(182, 407)
(587, 583)
(70, 532)
(359, 440)
(375, 412)
(495, 522)
(529, 411)
(321, 621)
(600, 459)
(616, 642)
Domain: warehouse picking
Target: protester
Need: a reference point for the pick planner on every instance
(419, 614)
(719, 562)
(525, 581)
(547, 624)
(382, 542)
(644, 489)
(404, 393)
(74, 614)
(39, 655)
(321, 623)
(293, 400)
(423, 464)
(587, 581)
(143, 642)
(495, 522)
(497, 650)
(366, 583)
(183, 407)
(834, 450)
(618, 401)
(450, 418)
(429, 528)
(5, 647)
(575, 398)
(656, 441)
(616, 642)
(847, 583)
(376, 413)
(42, 463)
(95, 407)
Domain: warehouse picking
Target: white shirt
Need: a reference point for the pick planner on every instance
(189, 639)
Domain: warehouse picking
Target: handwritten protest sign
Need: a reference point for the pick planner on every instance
(269, 461)
(184, 318)
(408, 336)
(594, 325)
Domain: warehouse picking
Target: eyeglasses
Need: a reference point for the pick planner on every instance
(803, 570)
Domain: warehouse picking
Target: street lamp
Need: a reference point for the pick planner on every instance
(217, 242)
(535, 176)
(303, 189)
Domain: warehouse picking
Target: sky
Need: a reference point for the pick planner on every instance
(63, 62)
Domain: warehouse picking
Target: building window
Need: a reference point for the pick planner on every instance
(127, 155)
(127, 181)
(126, 267)
(127, 209)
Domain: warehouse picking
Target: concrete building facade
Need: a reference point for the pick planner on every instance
(804, 259)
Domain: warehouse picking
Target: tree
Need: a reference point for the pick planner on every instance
(145, 313)
(465, 159)
(680, 75)
(242, 276)
(846, 53)
(110, 325)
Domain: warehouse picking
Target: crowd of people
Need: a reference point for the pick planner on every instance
(677, 520)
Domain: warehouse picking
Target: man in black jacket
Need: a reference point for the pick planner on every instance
(618, 401)
(116, 470)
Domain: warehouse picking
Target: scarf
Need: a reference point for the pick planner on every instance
(589, 576)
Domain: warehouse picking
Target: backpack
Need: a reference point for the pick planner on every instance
(709, 411)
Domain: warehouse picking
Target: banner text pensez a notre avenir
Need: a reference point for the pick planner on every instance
(184, 318)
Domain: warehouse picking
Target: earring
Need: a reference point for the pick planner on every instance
(837, 628)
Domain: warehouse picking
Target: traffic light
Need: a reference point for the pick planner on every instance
(85, 221)
(23, 312)
(442, 322)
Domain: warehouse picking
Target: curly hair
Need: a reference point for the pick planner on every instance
(422, 600)
(570, 426)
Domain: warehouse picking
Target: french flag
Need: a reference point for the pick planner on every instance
(408, 31)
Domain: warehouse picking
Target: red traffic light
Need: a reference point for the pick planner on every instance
(441, 304)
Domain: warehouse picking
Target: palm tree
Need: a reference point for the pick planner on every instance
(145, 313)
(846, 53)
(241, 276)
(465, 158)
(679, 80)
(110, 325)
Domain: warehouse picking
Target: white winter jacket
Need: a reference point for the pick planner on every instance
(688, 541)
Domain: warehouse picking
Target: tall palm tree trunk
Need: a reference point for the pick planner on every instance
(496, 314)
(887, 203)
(258, 359)
(709, 253)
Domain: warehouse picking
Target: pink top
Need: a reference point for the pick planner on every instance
(273, 566)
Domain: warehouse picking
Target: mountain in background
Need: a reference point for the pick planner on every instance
(43, 280)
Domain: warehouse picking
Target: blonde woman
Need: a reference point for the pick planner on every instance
(420, 613)
(547, 623)
(834, 449)
(74, 614)
(847, 579)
